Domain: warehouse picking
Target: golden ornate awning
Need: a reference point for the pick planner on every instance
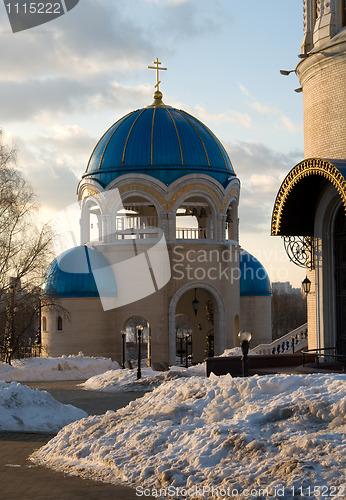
(294, 209)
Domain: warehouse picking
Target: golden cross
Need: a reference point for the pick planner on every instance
(157, 62)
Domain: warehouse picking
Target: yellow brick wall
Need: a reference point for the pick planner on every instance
(323, 79)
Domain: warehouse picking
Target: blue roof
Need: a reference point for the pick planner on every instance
(71, 274)
(254, 280)
(160, 141)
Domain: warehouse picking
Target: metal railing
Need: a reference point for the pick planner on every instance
(291, 342)
(334, 356)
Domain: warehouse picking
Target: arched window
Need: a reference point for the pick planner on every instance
(59, 323)
(44, 323)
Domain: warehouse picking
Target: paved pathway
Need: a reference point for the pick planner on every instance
(20, 479)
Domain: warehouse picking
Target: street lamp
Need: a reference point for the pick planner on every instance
(306, 284)
(139, 329)
(195, 303)
(123, 338)
(286, 72)
(244, 337)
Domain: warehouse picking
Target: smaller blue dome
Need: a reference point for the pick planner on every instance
(254, 280)
(71, 275)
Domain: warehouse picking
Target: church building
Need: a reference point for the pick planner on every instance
(158, 250)
(310, 207)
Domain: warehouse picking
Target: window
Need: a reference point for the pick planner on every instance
(44, 323)
(59, 323)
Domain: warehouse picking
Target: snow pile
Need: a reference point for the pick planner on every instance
(78, 367)
(126, 380)
(25, 409)
(259, 432)
(236, 351)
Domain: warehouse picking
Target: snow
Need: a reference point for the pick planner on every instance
(196, 432)
(126, 380)
(27, 410)
(74, 367)
(236, 351)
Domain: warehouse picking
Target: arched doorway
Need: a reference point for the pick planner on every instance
(207, 322)
(340, 281)
(131, 339)
(183, 328)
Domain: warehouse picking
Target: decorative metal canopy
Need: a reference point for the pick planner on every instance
(300, 250)
(296, 194)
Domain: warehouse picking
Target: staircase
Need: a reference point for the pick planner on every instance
(293, 341)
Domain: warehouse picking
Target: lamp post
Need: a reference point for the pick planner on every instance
(195, 303)
(139, 335)
(244, 338)
(306, 284)
(123, 338)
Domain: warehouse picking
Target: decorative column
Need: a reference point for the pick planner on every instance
(325, 27)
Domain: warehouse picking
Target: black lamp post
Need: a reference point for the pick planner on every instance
(195, 303)
(244, 338)
(139, 334)
(306, 284)
(123, 338)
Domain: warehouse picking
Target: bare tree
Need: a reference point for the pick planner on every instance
(288, 312)
(25, 251)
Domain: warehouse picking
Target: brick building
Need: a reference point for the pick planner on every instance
(310, 207)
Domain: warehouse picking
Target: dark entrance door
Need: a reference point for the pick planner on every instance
(340, 279)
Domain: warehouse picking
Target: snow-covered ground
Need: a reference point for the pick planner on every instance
(261, 432)
(126, 380)
(77, 367)
(25, 409)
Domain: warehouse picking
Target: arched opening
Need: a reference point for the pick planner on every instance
(91, 221)
(131, 339)
(59, 324)
(138, 219)
(183, 332)
(44, 324)
(196, 310)
(231, 224)
(340, 281)
(194, 219)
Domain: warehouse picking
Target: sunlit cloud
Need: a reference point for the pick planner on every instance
(242, 119)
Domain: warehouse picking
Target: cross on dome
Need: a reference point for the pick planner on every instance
(157, 62)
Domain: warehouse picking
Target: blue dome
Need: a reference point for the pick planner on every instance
(254, 280)
(72, 274)
(160, 141)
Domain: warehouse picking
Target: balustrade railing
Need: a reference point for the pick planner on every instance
(134, 227)
(189, 233)
(291, 342)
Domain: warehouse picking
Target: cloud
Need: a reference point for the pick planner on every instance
(97, 37)
(53, 98)
(242, 119)
(261, 171)
(54, 163)
(290, 126)
(244, 90)
(284, 121)
(263, 109)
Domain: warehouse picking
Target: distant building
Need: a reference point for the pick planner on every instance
(284, 287)
(310, 207)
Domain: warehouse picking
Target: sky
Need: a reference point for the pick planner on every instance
(64, 83)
